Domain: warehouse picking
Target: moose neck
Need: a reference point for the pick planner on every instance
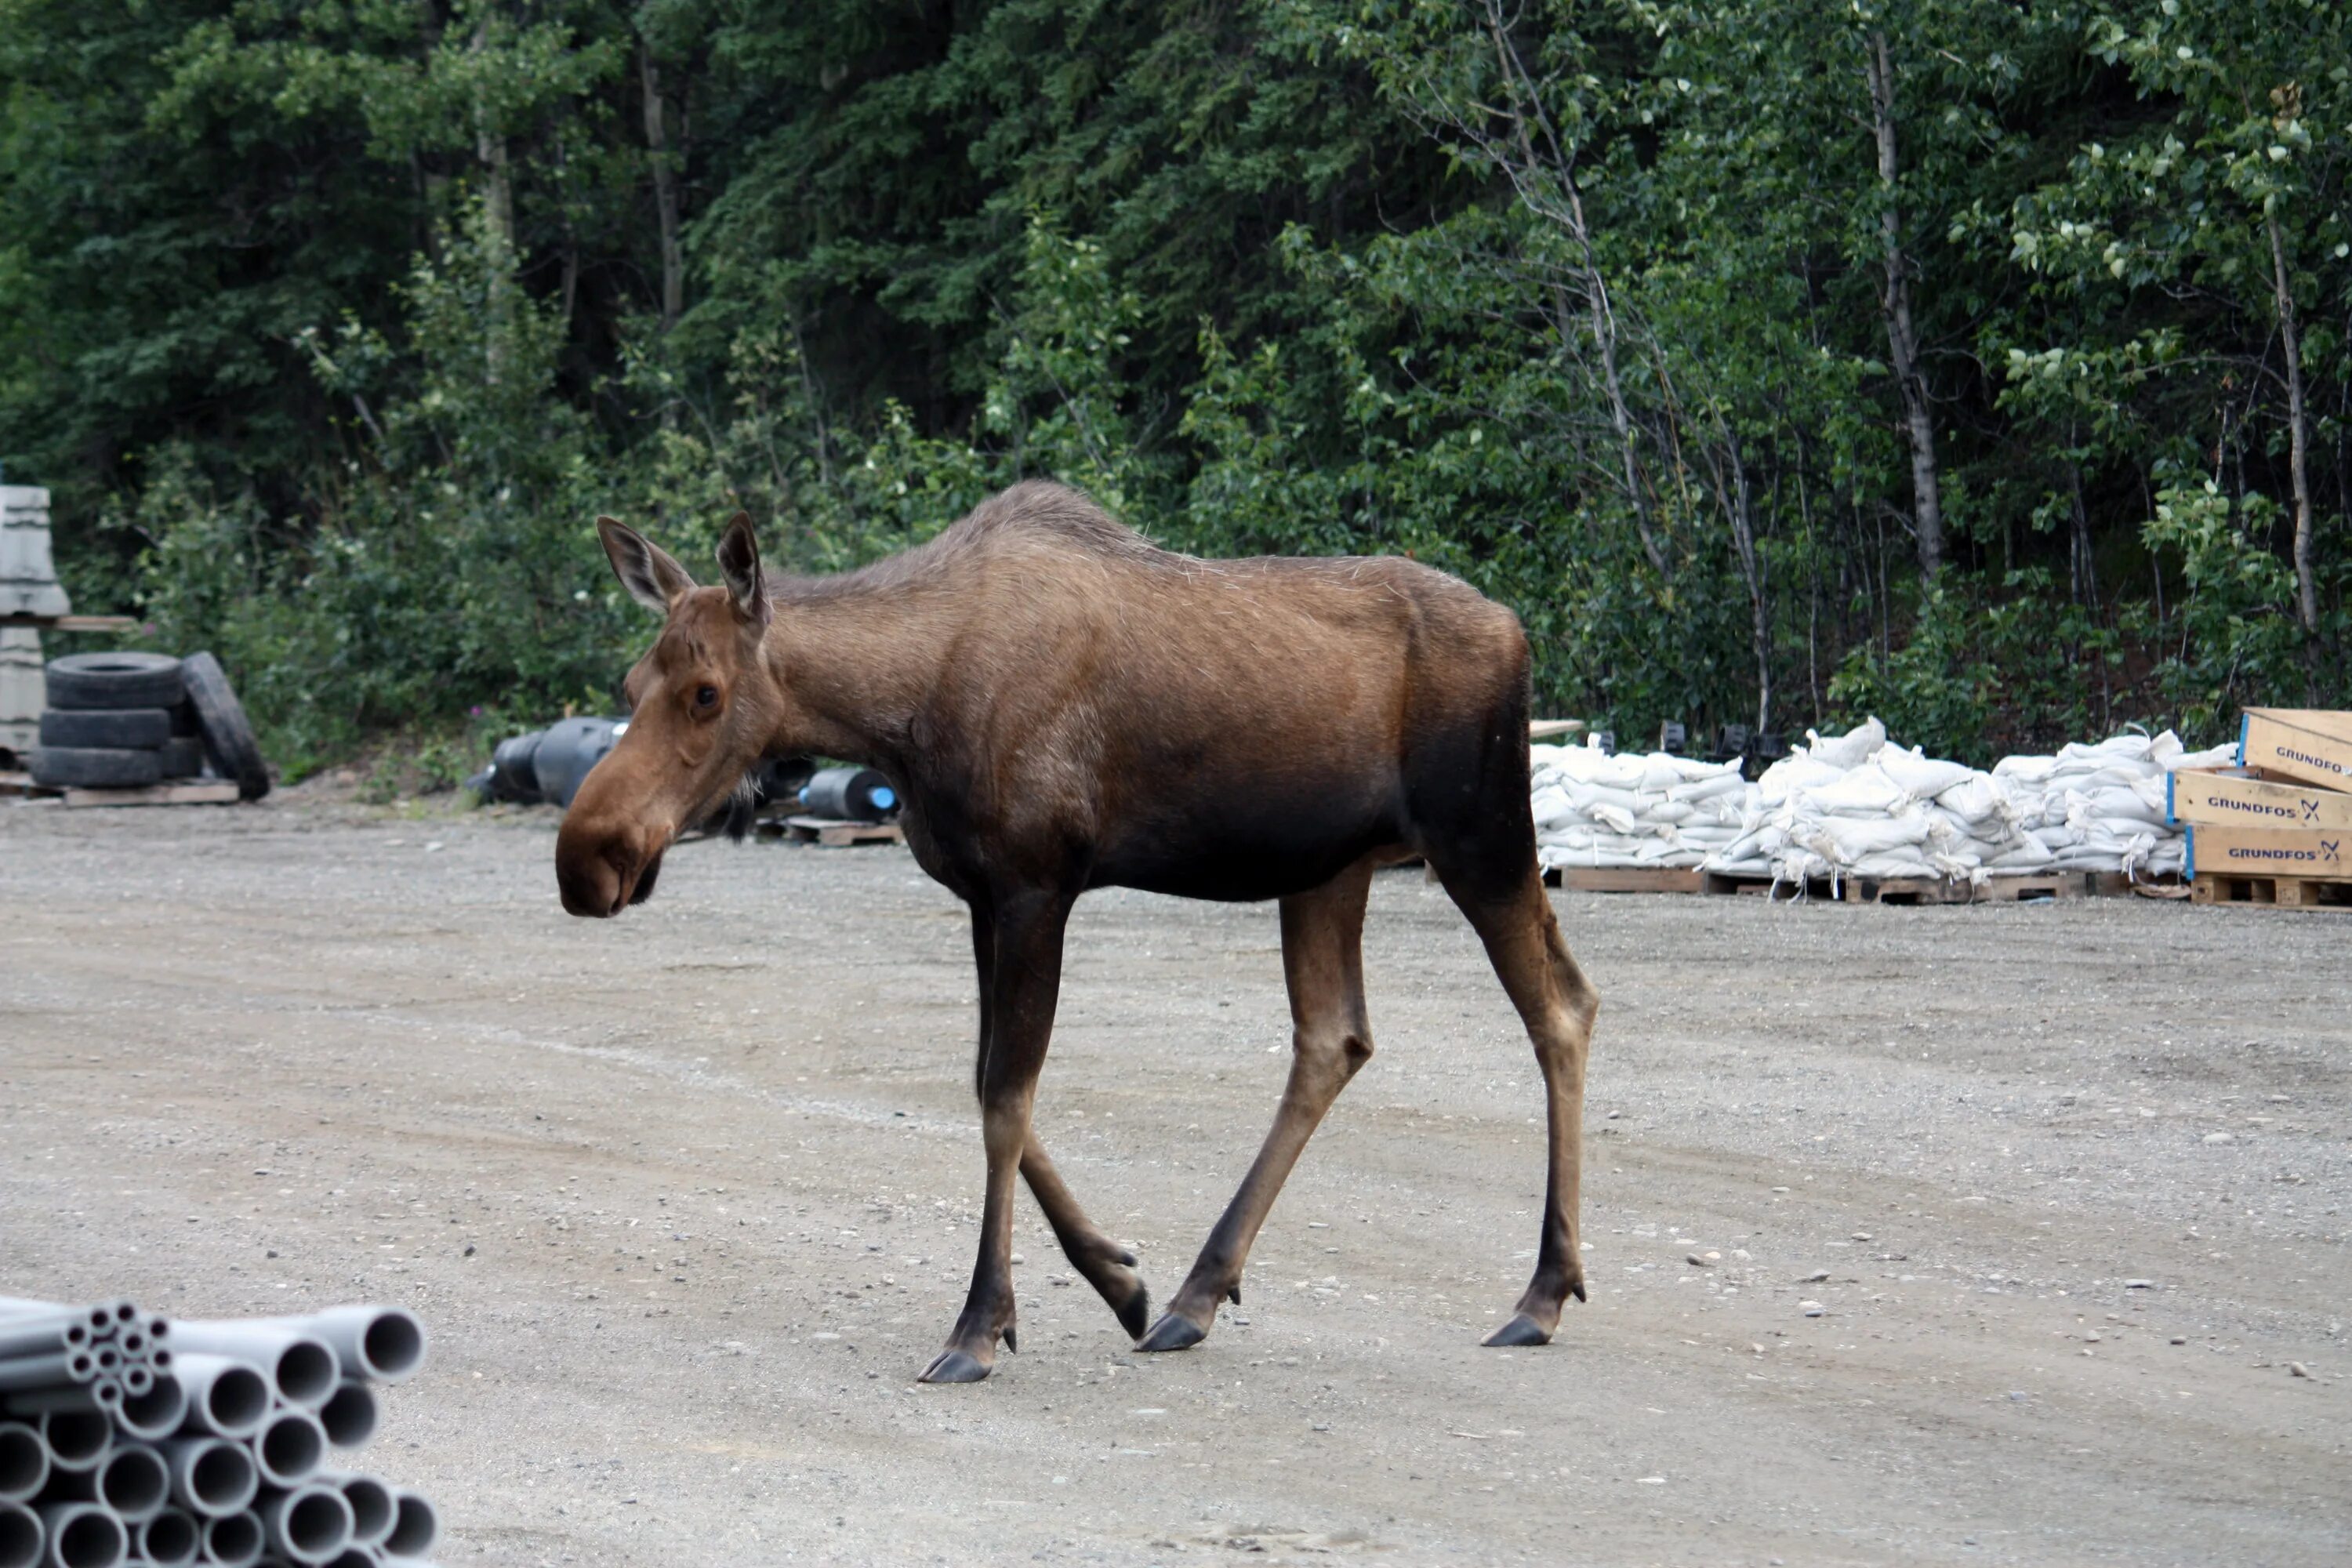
(858, 656)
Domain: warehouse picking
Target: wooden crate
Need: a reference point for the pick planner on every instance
(2285, 745)
(2276, 892)
(190, 792)
(2233, 851)
(2234, 798)
(1627, 879)
(832, 834)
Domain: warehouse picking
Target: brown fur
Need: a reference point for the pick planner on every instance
(1061, 706)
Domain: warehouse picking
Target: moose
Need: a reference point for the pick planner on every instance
(1063, 705)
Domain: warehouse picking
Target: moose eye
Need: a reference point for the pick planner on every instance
(705, 697)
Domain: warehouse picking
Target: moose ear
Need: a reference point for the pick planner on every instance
(650, 573)
(739, 558)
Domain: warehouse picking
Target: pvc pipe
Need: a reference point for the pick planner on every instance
(309, 1524)
(415, 1525)
(155, 1414)
(386, 1343)
(302, 1367)
(370, 1500)
(138, 1381)
(132, 1483)
(77, 1439)
(227, 1398)
(351, 1415)
(15, 1307)
(83, 1535)
(170, 1539)
(24, 1462)
(21, 1536)
(289, 1446)
(56, 1370)
(211, 1476)
(43, 1336)
(233, 1540)
(356, 1557)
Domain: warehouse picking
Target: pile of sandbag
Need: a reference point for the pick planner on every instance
(1855, 804)
(1595, 809)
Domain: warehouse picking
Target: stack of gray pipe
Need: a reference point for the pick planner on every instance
(129, 1438)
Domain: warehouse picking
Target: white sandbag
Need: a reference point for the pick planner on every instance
(1851, 750)
(1920, 776)
(1977, 799)
(1865, 791)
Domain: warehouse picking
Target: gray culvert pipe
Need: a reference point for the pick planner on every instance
(43, 1336)
(211, 1476)
(351, 1417)
(131, 1483)
(77, 1439)
(21, 1536)
(289, 1448)
(83, 1535)
(385, 1344)
(371, 1507)
(156, 1414)
(56, 1370)
(233, 1540)
(227, 1398)
(415, 1525)
(309, 1524)
(170, 1539)
(24, 1462)
(300, 1367)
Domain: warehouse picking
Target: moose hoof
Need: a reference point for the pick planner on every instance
(1135, 1312)
(955, 1366)
(1521, 1330)
(1172, 1333)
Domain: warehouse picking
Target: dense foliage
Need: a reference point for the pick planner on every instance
(1981, 362)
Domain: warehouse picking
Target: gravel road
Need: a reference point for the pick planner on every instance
(2010, 1234)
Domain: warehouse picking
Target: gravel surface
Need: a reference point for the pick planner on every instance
(2011, 1234)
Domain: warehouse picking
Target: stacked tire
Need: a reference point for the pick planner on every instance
(125, 720)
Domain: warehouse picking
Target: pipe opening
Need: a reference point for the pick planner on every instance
(415, 1525)
(306, 1372)
(238, 1400)
(156, 1413)
(221, 1478)
(170, 1539)
(394, 1346)
(77, 1439)
(291, 1447)
(87, 1537)
(24, 1462)
(233, 1540)
(133, 1482)
(138, 1380)
(350, 1417)
(315, 1525)
(20, 1536)
(371, 1509)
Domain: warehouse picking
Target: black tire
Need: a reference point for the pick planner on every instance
(227, 737)
(114, 681)
(132, 729)
(92, 767)
(183, 757)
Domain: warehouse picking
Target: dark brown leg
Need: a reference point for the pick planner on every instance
(1558, 1005)
(1023, 982)
(1322, 960)
(1102, 1262)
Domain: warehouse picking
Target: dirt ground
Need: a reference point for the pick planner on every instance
(689, 1197)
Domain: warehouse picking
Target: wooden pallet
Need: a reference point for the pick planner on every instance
(1627, 879)
(833, 833)
(192, 792)
(2279, 892)
(1906, 890)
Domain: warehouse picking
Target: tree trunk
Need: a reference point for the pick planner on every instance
(1902, 341)
(497, 229)
(1743, 538)
(666, 199)
(2306, 588)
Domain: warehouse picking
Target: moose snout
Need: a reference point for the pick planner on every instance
(600, 874)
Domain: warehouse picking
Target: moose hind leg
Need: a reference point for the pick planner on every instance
(1104, 1263)
(1556, 1004)
(1322, 961)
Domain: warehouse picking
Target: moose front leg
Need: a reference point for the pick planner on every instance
(1021, 981)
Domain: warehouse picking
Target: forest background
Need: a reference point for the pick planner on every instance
(1981, 364)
